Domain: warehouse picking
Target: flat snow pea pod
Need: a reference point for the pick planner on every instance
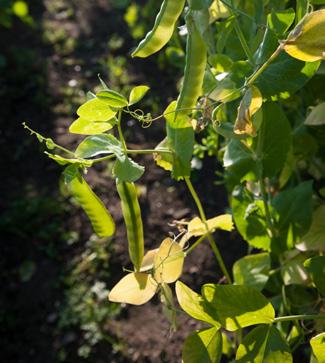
(133, 221)
(163, 29)
(196, 60)
(99, 216)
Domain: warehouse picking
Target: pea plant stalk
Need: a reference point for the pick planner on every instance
(274, 212)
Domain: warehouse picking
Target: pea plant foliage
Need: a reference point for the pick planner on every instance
(246, 68)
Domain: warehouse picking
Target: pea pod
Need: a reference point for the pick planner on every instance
(163, 29)
(196, 60)
(101, 220)
(133, 221)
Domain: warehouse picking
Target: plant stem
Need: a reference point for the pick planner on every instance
(299, 317)
(120, 132)
(268, 217)
(260, 70)
(211, 240)
(195, 244)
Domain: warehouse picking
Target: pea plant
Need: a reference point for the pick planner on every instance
(247, 64)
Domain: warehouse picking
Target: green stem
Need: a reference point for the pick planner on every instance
(260, 70)
(120, 132)
(195, 244)
(212, 242)
(298, 317)
(268, 217)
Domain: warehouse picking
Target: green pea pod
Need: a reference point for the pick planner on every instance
(133, 221)
(99, 216)
(163, 29)
(196, 60)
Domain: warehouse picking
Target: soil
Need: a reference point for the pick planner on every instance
(39, 85)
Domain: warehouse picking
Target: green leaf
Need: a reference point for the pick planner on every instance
(294, 207)
(315, 237)
(249, 217)
(164, 160)
(318, 346)
(193, 304)
(225, 91)
(65, 161)
(203, 346)
(85, 127)
(238, 306)
(252, 270)
(276, 139)
(112, 98)
(284, 77)
(137, 93)
(99, 144)
(125, 169)
(264, 344)
(280, 21)
(301, 299)
(316, 268)
(96, 110)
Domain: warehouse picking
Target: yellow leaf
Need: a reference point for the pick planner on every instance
(249, 105)
(148, 260)
(168, 263)
(197, 228)
(136, 288)
(307, 41)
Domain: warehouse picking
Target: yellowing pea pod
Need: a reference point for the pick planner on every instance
(163, 29)
(307, 41)
(133, 221)
(101, 220)
(196, 60)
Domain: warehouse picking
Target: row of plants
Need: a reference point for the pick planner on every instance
(244, 87)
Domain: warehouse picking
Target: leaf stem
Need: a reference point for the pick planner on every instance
(299, 317)
(120, 132)
(210, 238)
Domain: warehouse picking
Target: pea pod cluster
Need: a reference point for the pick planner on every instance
(163, 29)
(101, 220)
(133, 221)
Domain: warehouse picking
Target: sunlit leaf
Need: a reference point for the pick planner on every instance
(264, 344)
(96, 110)
(99, 144)
(197, 228)
(193, 304)
(148, 260)
(137, 93)
(252, 270)
(237, 306)
(203, 346)
(307, 41)
(164, 160)
(318, 346)
(65, 161)
(316, 268)
(135, 288)
(125, 169)
(112, 98)
(168, 262)
(85, 127)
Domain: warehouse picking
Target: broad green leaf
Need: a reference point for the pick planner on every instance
(252, 270)
(125, 169)
(85, 127)
(65, 161)
(99, 144)
(249, 105)
(249, 217)
(280, 21)
(316, 116)
(276, 138)
(135, 288)
(264, 344)
(307, 41)
(203, 346)
(293, 271)
(199, 4)
(238, 306)
(96, 110)
(193, 304)
(168, 262)
(137, 93)
(318, 346)
(112, 98)
(314, 240)
(225, 91)
(316, 268)
(294, 207)
(284, 77)
(220, 62)
(301, 299)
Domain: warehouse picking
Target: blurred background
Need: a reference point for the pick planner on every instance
(55, 273)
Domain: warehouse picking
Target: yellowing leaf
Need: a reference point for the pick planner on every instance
(168, 262)
(249, 105)
(164, 160)
(197, 228)
(136, 288)
(307, 41)
(218, 10)
(84, 127)
(96, 110)
(148, 260)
